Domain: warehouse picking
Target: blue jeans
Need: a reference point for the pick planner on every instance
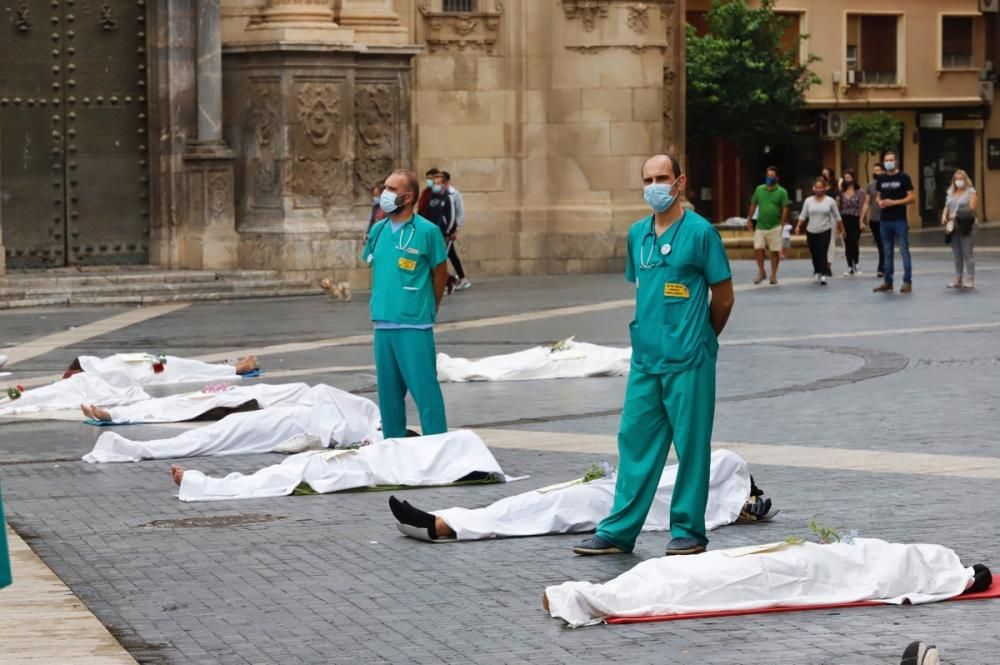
(891, 233)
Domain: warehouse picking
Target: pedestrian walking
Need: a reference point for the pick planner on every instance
(959, 218)
(676, 259)
(851, 201)
(819, 214)
(458, 207)
(408, 261)
(871, 216)
(770, 204)
(376, 213)
(895, 192)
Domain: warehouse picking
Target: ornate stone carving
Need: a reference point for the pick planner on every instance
(598, 48)
(22, 20)
(319, 172)
(375, 122)
(638, 17)
(461, 30)
(265, 167)
(218, 196)
(107, 21)
(588, 11)
(318, 111)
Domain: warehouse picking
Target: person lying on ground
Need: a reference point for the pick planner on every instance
(566, 359)
(578, 506)
(217, 400)
(439, 459)
(334, 418)
(783, 574)
(148, 369)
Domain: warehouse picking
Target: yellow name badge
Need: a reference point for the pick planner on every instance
(407, 264)
(675, 291)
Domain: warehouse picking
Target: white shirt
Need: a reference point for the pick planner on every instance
(821, 214)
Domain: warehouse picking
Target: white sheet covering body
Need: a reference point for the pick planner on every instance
(789, 576)
(575, 360)
(413, 461)
(140, 367)
(580, 507)
(333, 416)
(108, 390)
(188, 406)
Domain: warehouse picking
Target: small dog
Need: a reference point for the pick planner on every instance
(336, 290)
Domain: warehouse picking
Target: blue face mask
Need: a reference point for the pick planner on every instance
(436, 189)
(659, 196)
(375, 200)
(429, 182)
(890, 166)
(388, 202)
(770, 180)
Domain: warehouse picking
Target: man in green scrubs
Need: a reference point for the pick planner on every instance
(408, 260)
(676, 259)
(5, 578)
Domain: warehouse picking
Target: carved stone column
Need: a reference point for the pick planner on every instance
(374, 22)
(208, 239)
(297, 21)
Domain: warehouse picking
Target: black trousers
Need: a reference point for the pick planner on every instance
(455, 261)
(877, 237)
(819, 245)
(852, 239)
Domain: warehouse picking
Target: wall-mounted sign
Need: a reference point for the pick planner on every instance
(932, 120)
(993, 154)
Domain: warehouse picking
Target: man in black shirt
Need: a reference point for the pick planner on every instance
(895, 192)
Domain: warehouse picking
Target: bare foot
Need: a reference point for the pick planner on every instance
(177, 473)
(87, 411)
(545, 601)
(442, 529)
(100, 414)
(245, 365)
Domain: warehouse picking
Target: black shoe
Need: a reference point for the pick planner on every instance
(918, 653)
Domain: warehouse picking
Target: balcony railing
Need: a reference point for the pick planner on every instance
(870, 77)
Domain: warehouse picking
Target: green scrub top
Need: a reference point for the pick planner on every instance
(402, 264)
(672, 330)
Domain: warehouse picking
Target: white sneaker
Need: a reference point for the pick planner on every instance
(822, 280)
(848, 273)
(3, 361)
(857, 272)
(463, 285)
(815, 278)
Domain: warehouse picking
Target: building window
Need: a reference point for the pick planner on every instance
(790, 38)
(871, 48)
(459, 6)
(956, 42)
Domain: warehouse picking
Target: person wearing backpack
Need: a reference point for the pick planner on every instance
(959, 220)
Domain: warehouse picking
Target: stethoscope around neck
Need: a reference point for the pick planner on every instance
(400, 245)
(646, 260)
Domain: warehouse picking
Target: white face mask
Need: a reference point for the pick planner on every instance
(959, 184)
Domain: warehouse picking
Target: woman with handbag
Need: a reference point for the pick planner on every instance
(959, 219)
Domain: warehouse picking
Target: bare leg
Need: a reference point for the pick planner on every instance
(177, 473)
(775, 258)
(245, 365)
(442, 528)
(759, 256)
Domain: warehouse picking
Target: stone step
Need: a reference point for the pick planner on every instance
(142, 285)
(87, 298)
(151, 286)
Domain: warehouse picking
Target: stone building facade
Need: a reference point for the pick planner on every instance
(254, 129)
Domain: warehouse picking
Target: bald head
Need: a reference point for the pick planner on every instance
(660, 168)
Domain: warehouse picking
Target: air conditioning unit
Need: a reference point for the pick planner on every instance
(832, 124)
(852, 78)
(989, 6)
(986, 91)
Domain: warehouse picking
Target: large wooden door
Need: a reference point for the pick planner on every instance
(74, 170)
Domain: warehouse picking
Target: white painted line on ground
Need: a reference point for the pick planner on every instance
(41, 621)
(43, 345)
(838, 459)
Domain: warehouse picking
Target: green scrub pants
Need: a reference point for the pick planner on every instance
(660, 408)
(5, 578)
(405, 359)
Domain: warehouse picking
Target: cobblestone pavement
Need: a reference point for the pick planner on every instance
(328, 579)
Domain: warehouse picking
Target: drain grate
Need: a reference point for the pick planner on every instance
(213, 521)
